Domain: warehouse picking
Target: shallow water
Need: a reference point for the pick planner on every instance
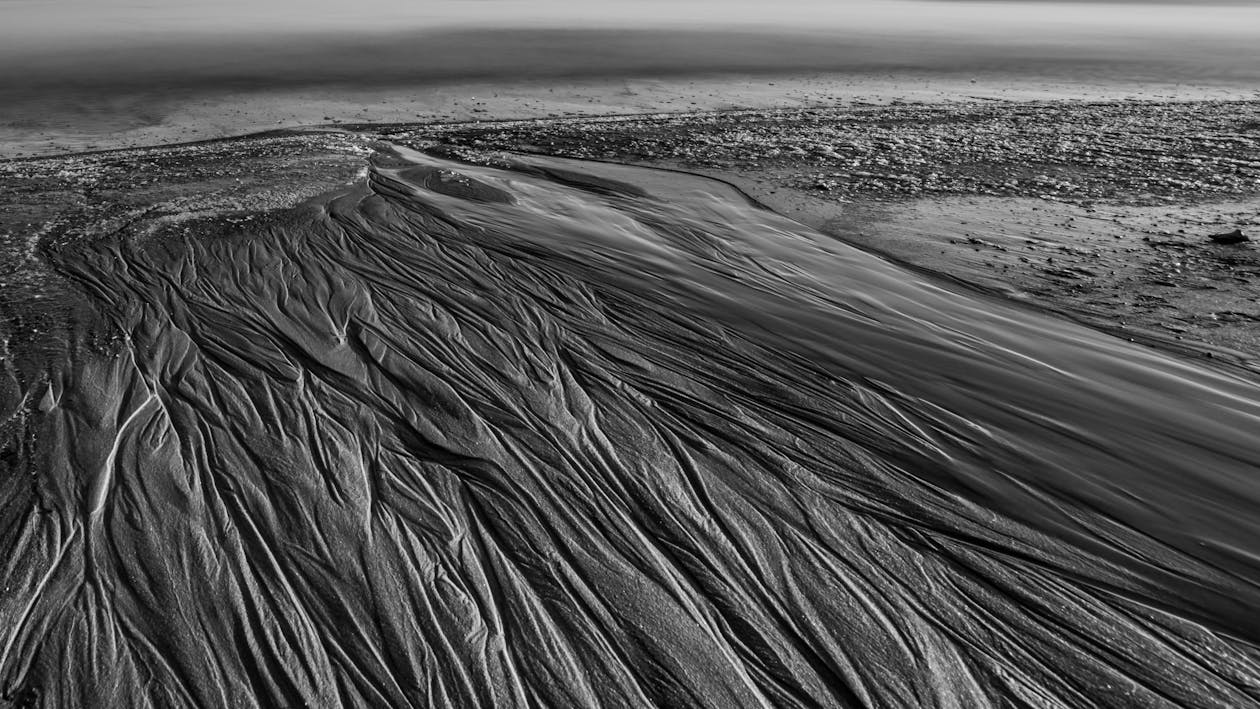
(571, 434)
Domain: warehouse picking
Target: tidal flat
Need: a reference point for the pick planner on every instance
(1100, 210)
(798, 407)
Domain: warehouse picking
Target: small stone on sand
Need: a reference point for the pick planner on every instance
(1233, 237)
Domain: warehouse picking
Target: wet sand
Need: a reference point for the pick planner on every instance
(389, 434)
(313, 418)
(1100, 211)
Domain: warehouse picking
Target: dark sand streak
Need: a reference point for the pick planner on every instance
(470, 436)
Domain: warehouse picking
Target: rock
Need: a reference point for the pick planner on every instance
(1233, 237)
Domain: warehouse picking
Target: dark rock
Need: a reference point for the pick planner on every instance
(1233, 237)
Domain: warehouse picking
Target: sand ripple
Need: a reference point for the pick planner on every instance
(470, 436)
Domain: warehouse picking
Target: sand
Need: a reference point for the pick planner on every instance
(1101, 211)
(1149, 273)
(493, 429)
(543, 432)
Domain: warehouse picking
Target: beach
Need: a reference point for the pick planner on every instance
(1097, 210)
(462, 403)
(908, 359)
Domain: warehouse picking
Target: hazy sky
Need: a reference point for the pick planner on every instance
(25, 22)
